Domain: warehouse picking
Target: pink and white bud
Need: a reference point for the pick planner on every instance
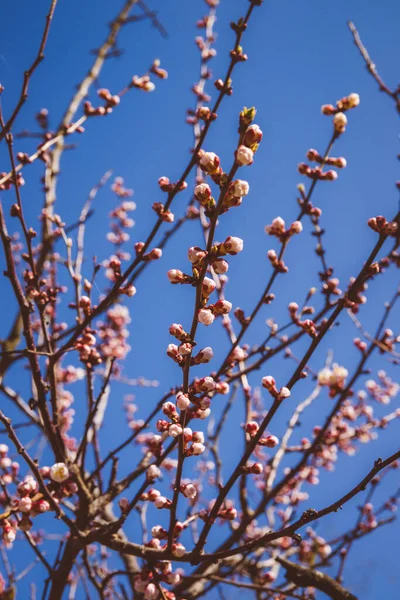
(353, 100)
(25, 504)
(205, 316)
(175, 276)
(175, 430)
(268, 382)
(208, 286)
(197, 448)
(251, 428)
(222, 307)
(185, 349)
(206, 384)
(232, 245)
(244, 156)
(284, 392)
(340, 122)
(169, 409)
(270, 441)
(161, 502)
(182, 401)
(253, 135)
(240, 188)
(178, 550)
(202, 192)
(196, 254)
(151, 592)
(153, 472)
(296, 227)
(198, 436)
(220, 266)
(205, 355)
(59, 472)
(189, 491)
(209, 162)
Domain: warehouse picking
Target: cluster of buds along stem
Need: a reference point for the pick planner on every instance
(109, 99)
(382, 226)
(85, 345)
(268, 382)
(307, 324)
(143, 83)
(269, 441)
(342, 105)
(167, 186)
(165, 215)
(277, 263)
(157, 70)
(278, 229)
(334, 378)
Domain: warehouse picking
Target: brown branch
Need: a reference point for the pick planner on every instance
(306, 577)
(28, 74)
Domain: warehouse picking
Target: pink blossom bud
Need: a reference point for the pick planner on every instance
(153, 472)
(178, 550)
(59, 472)
(251, 428)
(3, 449)
(185, 349)
(202, 192)
(25, 504)
(331, 175)
(296, 227)
(209, 162)
(208, 286)
(222, 307)
(161, 502)
(205, 355)
(240, 188)
(253, 135)
(189, 491)
(205, 316)
(198, 436)
(270, 441)
(340, 122)
(175, 276)
(232, 245)
(169, 409)
(244, 156)
(182, 401)
(175, 430)
(197, 448)
(268, 382)
(328, 109)
(284, 392)
(151, 592)
(196, 255)
(220, 266)
(42, 506)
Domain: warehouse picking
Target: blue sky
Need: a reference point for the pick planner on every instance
(301, 55)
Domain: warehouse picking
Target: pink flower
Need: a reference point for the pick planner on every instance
(59, 472)
(244, 156)
(284, 393)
